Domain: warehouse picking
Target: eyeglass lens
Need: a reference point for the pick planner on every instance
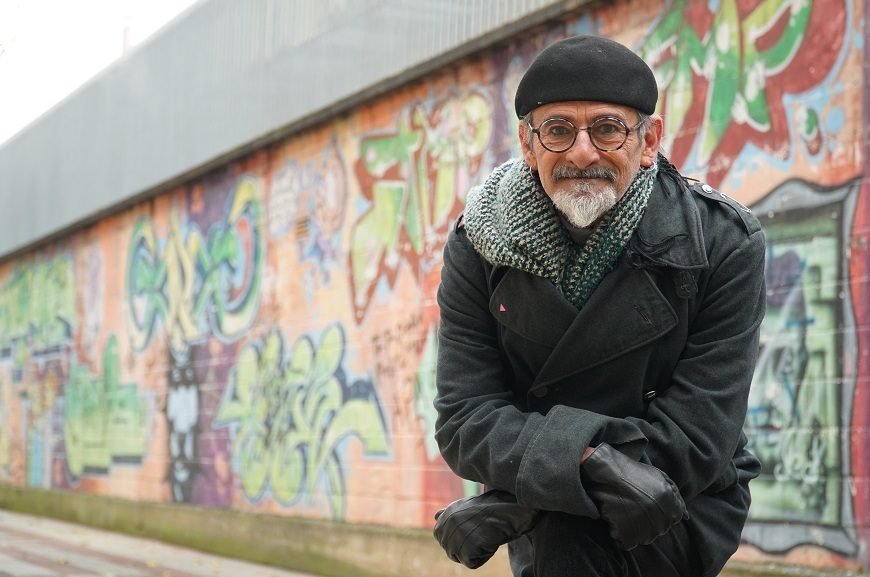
(606, 133)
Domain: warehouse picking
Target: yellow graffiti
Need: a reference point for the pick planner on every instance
(290, 412)
(194, 281)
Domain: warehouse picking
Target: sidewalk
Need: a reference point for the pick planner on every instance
(37, 547)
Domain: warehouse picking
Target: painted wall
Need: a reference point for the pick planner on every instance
(263, 338)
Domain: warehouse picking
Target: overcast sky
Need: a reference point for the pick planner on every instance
(48, 48)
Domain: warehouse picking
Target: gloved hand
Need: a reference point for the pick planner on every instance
(637, 501)
(471, 529)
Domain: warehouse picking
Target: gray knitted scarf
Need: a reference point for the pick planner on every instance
(511, 222)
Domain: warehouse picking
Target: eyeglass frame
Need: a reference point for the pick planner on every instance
(628, 130)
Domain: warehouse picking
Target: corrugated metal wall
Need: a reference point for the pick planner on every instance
(226, 77)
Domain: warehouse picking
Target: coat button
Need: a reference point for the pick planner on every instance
(707, 188)
(649, 395)
(542, 392)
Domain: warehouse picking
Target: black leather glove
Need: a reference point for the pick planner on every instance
(471, 530)
(637, 501)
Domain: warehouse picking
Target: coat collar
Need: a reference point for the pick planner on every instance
(670, 232)
(625, 312)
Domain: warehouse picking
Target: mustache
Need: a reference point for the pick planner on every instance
(566, 171)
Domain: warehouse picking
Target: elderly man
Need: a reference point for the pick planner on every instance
(599, 329)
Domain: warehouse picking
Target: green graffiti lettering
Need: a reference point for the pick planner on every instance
(415, 179)
(191, 282)
(104, 420)
(37, 308)
(729, 59)
(289, 413)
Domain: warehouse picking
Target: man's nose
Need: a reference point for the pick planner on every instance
(583, 153)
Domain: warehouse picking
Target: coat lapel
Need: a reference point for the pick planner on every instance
(626, 311)
(532, 307)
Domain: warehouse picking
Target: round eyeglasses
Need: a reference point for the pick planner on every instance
(607, 133)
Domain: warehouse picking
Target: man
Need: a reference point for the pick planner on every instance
(599, 330)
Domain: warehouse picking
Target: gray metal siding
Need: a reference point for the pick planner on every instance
(225, 77)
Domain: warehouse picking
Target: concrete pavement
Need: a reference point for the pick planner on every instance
(38, 547)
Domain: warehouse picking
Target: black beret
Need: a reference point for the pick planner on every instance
(587, 68)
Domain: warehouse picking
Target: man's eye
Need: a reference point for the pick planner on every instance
(558, 130)
(607, 128)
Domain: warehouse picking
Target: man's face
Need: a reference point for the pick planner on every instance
(584, 182)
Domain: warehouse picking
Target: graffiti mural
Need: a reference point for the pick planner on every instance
(105, 421)
(801, 387)
(414, 179)
(37, 310)
(290, 411)
(94, 299)
(310, 200)
(37, 320)
(38, 395)
(196, 285)
(182, 416)
(728, 70)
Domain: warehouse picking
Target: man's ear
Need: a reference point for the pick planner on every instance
(651, 141)
(528, 154)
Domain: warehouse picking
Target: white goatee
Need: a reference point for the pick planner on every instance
(582, 204)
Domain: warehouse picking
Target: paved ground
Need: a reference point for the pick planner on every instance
(36, 547)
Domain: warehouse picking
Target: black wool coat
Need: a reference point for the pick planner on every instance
(657, 363)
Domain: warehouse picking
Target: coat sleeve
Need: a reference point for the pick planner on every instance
(695, 427)
(481, 431)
